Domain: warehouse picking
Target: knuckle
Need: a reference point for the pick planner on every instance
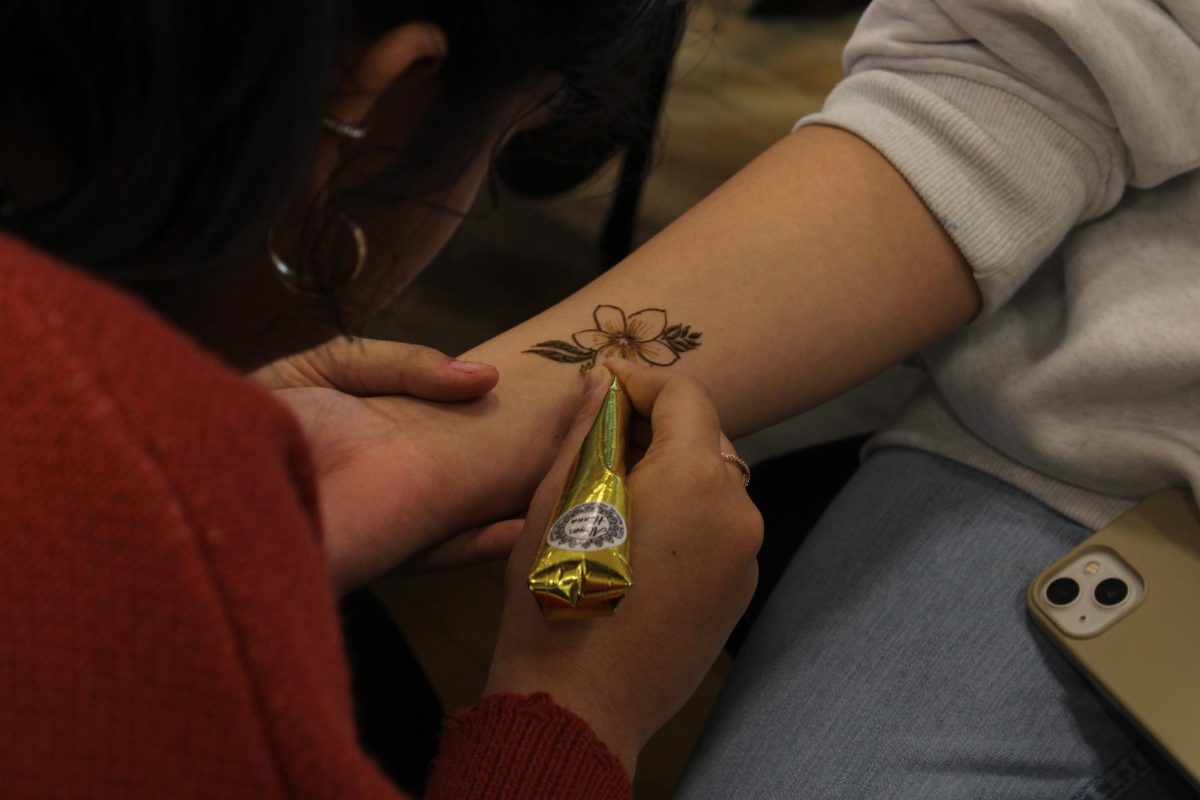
(717, 480)
(747, 529)
(706, 474)
(321, 360)
(694, 387)
(422, 356)
(754, 519)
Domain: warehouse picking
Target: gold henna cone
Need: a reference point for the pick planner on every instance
(582, 566)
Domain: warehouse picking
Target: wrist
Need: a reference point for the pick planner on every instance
(535, 399)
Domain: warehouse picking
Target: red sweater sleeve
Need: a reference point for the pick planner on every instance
(509, 746)
(166, 624)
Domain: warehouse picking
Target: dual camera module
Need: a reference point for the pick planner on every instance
(1090, 592)
(1109, 592)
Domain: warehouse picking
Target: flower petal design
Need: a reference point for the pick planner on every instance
(610, 319)
(656, 353)
(592, 340)
(641, 337)
(646, 324)
(613, 350)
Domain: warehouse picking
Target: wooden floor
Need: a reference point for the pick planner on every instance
(739, 86)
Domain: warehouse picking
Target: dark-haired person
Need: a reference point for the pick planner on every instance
(1010, 189)
(182, 171)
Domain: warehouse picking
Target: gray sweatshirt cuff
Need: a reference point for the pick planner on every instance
(1005, 180)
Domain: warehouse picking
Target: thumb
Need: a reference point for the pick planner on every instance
(371, 367)
(679, 407)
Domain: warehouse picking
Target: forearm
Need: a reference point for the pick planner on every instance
(814, 268)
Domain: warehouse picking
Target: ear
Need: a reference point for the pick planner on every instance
(385, 61)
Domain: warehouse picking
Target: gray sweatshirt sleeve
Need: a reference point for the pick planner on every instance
(1017, 120)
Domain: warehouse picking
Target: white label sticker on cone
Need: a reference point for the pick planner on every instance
(589, 526)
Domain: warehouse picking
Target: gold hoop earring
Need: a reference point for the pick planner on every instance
(307, 284)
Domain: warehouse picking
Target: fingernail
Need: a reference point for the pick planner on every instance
(470, 367)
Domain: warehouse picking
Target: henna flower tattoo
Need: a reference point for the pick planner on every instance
(643, 336)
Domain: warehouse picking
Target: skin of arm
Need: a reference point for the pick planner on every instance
(811, 270)
(814, 268)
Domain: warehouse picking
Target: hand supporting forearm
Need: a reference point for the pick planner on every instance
(811, 270)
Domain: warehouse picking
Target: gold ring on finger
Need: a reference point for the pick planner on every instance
(740, 463)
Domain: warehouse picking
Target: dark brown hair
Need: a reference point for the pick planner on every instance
(182, 126)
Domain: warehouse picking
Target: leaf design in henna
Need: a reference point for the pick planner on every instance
(681, 338)
(562, 352)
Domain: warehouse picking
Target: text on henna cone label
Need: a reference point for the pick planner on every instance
(594, 525)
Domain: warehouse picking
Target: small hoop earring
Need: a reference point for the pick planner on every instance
(306, 284)
(334, 125)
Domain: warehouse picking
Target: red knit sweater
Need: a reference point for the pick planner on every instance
(166, 624)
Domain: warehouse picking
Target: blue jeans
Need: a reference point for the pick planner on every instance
(895, 659)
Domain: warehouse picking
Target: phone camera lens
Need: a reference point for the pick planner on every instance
(1063, 591)
(1111, 591)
